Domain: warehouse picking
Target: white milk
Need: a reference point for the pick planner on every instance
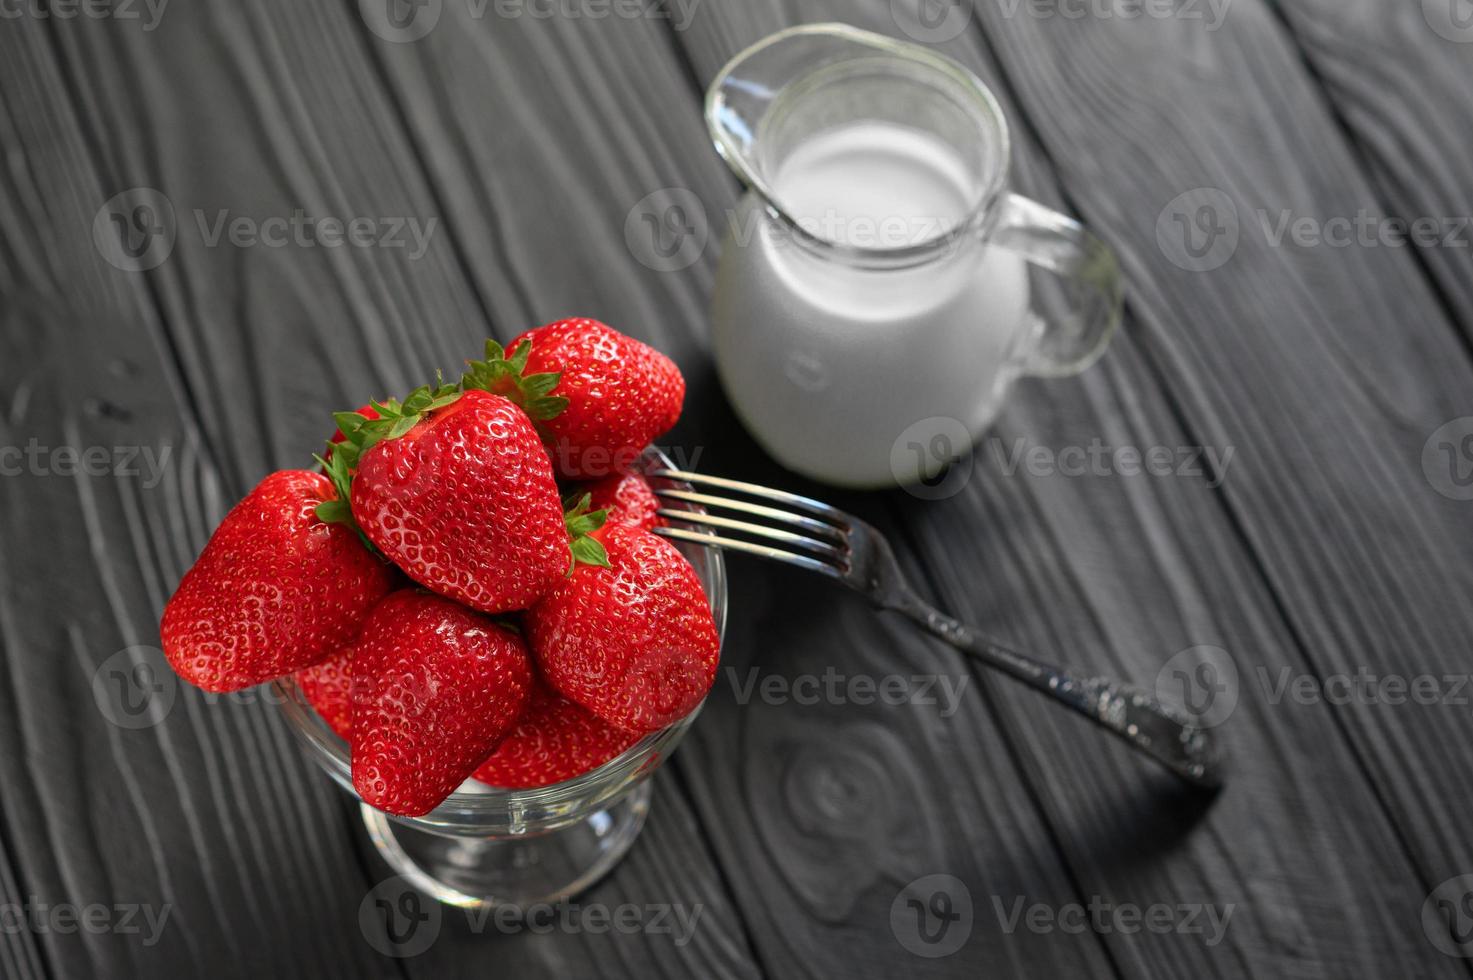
(828, 364)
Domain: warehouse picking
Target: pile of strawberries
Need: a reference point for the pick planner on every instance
(442, 604)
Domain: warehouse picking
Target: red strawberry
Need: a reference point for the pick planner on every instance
(457, 491)
(275, 590)
(628, 498)
(435, 688)
(554, 740)
(633, 642)
(621, 395)
(328, 689)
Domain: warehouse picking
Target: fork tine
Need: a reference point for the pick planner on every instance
(816, 507)
(761, 551)
(817, 527)
(821, 548)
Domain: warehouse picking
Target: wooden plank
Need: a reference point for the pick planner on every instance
(1121, 573)
(244, 350)
(1397, 76)
(208, 826)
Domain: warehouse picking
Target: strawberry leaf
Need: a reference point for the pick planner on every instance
(360, 434)
(338, 510)
(505, 374)
(581, 523)
(333, 512)
(590, 552)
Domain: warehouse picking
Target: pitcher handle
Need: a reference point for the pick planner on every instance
(1074, 324)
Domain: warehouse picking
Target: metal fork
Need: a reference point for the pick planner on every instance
(824, 539)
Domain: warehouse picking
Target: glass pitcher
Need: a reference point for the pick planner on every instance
(879, 287)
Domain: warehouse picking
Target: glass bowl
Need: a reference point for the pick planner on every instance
(495, 847)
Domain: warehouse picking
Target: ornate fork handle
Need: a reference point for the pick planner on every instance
(1127, 712)
(813, 535)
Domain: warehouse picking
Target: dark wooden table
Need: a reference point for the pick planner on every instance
(142, 393)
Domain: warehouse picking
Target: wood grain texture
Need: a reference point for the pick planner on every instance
(530, 142)
(1134, 570)
(1396, 76)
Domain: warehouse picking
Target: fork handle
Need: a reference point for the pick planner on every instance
(1155, 729)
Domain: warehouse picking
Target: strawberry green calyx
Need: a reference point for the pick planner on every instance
(361, 434)
(501, 373)
(581, 523)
